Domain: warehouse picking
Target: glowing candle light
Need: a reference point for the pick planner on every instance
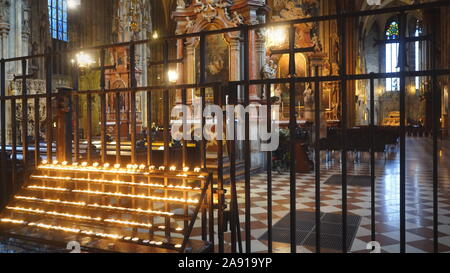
(95, 164)
(106, 165)
(117, 166)
(173, 168)
(84, 164)
(162, 168)
(55, 162)
(197, 170)
(44, 162)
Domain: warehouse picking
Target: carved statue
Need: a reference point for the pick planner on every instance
(44, 28)
(190, 23)
(4, 11)
(317, 44)
(237, 18)
(308, 97)
(269, 70)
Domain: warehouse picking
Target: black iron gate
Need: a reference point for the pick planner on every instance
(14, 169)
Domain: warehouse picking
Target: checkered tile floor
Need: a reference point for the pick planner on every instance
(419, 201)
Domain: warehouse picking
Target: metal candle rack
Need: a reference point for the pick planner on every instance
(152, 207)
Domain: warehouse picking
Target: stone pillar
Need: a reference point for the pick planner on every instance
(189, 67)
(260, 58)
(4, 26)
(26, 27)
(235, 60)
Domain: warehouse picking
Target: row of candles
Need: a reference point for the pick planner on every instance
(95, 205)
(84, 232)
(89, 218)
(117, 194)
(114, 182)
(116, 168)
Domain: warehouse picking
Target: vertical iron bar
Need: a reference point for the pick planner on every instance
(89, 127)
(342, 21)
(37, 145)
(436, 130)
(76, 110)
(24, 115)
(118, 119)
(203, 94)
(234, 210)
(184, 152)
(149, 128)
(372, 158)
(317, 157)
(14, 146)
(3, 181)
(166, 125)
(247, 148)
(220, 221)
(211, 212)
(133, 84)
(104, 148)
(49, 87)
(292, 133)
(402, 64)
(202, 79)
(269, 171)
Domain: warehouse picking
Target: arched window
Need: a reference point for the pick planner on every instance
(392, 48)
(57, 14)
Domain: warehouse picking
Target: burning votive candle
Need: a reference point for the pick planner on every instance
(151, 168)
(64, 163)
(95, 164)
(162, 168)
(197, 170)
(106, 165)
(117, 166)
(173, 168)
(142, 167)
(84, 164)
(44, 162)
(55, 162)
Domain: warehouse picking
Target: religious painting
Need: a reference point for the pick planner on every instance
(300, 71)
(217, 59)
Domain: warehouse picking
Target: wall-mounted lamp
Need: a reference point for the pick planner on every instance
(83, 60)
(172, 76)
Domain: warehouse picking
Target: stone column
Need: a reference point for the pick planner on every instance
(4, 26)
(260, 57)
(189, 67)
(26, 27)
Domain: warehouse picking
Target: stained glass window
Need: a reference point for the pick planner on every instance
(392, 48)
(392, 31)
(417, 55)
(57, 14)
